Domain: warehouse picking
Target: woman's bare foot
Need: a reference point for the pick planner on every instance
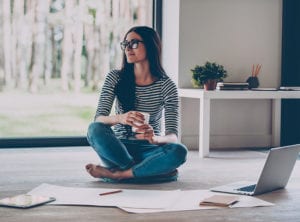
(97, 171)
(101, 172)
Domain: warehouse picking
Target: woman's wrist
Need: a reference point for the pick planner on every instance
(119, 118)
(156, 140)
(170, 138)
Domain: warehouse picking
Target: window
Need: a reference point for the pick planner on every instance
(54, 56)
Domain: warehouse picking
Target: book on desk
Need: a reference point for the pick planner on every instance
(232, 86)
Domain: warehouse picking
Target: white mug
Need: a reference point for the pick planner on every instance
(146, 117)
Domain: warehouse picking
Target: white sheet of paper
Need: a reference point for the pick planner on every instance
(155, 199)
(190, 199)
(139, 201)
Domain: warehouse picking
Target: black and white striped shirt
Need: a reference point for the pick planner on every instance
(153, 99)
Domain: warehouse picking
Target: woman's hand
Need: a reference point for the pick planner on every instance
(131, 118)
(146, 132)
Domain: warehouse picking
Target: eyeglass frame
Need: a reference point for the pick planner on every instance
(130, 44)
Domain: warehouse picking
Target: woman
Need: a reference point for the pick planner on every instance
(140, 86)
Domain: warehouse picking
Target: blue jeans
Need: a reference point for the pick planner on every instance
(144, 158)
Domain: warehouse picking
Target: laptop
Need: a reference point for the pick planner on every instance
(275, 174)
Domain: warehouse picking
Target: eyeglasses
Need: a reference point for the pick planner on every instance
(133, 44)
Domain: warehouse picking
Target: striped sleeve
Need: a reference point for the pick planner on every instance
(171, 105)
(107, 95)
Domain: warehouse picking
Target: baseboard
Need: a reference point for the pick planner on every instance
(229, 141)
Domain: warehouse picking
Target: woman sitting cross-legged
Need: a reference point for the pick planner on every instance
(140, 86)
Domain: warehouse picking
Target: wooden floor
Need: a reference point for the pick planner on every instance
(23, 169)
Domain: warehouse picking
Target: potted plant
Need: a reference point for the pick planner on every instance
(208, 75)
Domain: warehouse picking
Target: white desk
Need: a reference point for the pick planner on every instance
(205, 98)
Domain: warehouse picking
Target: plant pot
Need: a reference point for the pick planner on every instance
(210, 84)
(253, 82)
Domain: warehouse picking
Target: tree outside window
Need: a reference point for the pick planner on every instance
(54, 55)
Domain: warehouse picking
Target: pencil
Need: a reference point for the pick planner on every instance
(258, 70)
(110, 192)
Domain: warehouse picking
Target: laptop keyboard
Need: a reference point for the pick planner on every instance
(247, 188)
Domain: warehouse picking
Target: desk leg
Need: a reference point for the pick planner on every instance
(204, 127)
(276, 122)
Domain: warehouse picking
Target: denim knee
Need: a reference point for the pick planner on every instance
(97, 129)
(178, 150)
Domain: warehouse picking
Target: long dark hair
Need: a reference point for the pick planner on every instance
(125, 89)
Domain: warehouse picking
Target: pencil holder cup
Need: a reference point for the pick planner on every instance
(253, 82)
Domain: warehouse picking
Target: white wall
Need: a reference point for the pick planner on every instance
(236, 34)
